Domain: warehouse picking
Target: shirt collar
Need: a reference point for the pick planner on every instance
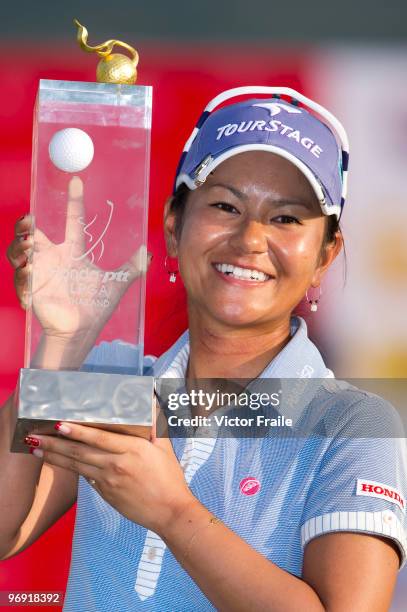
(299, 359)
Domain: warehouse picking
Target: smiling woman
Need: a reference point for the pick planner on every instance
(306, 512)
(253, 238)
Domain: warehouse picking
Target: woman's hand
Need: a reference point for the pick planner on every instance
(142, 479)
(54, 294)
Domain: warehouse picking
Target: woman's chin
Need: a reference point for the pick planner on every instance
(237, 317)
(230, 313)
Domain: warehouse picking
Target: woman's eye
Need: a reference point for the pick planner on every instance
(224, 206)
(286, 219)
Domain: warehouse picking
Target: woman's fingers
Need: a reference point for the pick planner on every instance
(75, 213)
(19, 254)
(23, 225)
(20, 250)
(160, 423)
(72, 452)
(40, 240)
(21, 277)
(138, 264)
(102, 439)
(59, 460)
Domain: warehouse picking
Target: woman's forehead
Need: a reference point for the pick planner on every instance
(261, 170)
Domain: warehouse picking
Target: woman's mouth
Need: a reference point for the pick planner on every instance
(242, 274)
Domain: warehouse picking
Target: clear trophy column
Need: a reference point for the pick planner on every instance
(89, 259)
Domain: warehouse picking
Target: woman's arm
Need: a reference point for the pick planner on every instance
(18, 478)
(342, 571)
(352, 571)
(33, 496)
(229, 571)
(44, 503)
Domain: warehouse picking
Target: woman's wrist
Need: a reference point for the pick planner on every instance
(189, 517)
(58, 352)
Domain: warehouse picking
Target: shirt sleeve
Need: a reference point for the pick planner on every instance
(361, 483)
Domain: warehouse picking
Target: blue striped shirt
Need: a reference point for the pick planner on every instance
(303, 487)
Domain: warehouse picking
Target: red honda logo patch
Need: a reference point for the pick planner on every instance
(371, 488)
(249, 486)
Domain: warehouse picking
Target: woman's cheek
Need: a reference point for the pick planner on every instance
(296, 256)
(198, 238)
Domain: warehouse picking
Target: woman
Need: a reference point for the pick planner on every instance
(262, 523)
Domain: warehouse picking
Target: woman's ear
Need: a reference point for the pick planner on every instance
(170, 228)
(328, 253)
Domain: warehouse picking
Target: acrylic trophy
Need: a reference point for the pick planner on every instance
(89, 256)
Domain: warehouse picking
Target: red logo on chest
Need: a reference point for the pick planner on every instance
(249, 486)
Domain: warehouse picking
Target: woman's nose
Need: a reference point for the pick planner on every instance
(250, 237)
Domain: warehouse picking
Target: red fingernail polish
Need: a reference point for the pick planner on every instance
(21, 218)
(24, 264)
(30, 441)
(63, 429)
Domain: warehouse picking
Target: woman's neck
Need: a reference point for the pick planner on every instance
(217, 352)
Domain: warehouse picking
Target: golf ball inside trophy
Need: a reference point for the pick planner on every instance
(71, 150)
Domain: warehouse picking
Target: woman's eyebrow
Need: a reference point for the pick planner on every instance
(236, 192)
(291, 202)
(274, 201)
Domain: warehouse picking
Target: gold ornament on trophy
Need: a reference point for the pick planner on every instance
(113, 67)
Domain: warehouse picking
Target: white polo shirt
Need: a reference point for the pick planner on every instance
(276, 492)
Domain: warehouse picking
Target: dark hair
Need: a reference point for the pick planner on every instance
(332, 227)
(177, 206)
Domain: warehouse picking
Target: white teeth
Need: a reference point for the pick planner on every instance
(241, 272)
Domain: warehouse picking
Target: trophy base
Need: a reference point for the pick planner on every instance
(121, 403)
